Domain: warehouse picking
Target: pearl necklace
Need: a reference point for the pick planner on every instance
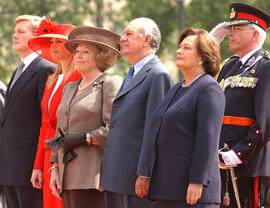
(183, 84)
(82, 88)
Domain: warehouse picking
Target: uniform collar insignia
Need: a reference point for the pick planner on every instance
(250, 61)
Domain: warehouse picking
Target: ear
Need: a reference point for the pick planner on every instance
(148, 39)
(255, 36)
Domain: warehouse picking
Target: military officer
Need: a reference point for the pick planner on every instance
(245, 79)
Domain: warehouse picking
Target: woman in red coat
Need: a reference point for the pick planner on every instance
(49, 44)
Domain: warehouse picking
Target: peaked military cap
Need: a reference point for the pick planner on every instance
(241, 13)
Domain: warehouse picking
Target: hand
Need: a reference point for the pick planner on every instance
(141, 186)
(219, 32)
(230, 158)
(56, 142)
(73, 140)
(37, 178)
(194, 193)
(55, 183)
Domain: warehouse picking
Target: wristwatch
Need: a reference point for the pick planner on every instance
(89, 140)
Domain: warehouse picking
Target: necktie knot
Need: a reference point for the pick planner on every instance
(237, 64)
(129, 76)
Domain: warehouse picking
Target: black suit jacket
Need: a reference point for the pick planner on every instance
(21, 122)
(3, 89)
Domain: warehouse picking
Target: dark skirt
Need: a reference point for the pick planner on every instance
(83, 198)
(178, 204)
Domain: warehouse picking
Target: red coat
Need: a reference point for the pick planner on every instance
(47, 131)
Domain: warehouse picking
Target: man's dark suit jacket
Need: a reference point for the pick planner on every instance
(21, 122)
(132, 108)
(3, 90)
(184, 143)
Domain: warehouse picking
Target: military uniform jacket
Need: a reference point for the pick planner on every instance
(247, 95)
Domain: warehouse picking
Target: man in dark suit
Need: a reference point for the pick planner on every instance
(3, 89)
(246, 128)
(142, 91)
(22, 119)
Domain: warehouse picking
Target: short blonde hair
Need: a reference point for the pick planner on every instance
(35, 20)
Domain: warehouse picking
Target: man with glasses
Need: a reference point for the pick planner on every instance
(245, 79)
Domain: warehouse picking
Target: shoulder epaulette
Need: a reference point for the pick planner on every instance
(266, 54)
(227, 59)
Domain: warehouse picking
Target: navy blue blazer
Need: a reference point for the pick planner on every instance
(21, 122)
(132, 108)
(184, 143)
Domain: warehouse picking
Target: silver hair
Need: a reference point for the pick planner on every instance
(148, 27)
(262, 33)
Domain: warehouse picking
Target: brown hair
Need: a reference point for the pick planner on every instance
(58, 71)
(35, 20)
(105, 58)
(208, 49)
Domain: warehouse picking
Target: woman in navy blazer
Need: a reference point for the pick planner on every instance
(184, 132)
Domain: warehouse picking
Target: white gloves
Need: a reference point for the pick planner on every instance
(230, 158)
(219, 32)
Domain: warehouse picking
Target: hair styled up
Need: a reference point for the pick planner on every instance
(207, 47)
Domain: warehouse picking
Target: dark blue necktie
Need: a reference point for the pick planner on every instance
(129, 76)
(237, 69)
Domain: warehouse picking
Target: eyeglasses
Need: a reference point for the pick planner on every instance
(236, 28)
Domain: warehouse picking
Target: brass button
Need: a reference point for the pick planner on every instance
(239, 153)
(257, 132)
(249, 144)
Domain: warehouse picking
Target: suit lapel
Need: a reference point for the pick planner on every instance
(87, 91)
(71, 93)
(20, 83)
(138, 77)
(169, 98)
(134, 82)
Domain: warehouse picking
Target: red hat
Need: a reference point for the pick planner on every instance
(241, 13)
(42, 42)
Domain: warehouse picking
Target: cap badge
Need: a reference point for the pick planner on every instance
(233, 13)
